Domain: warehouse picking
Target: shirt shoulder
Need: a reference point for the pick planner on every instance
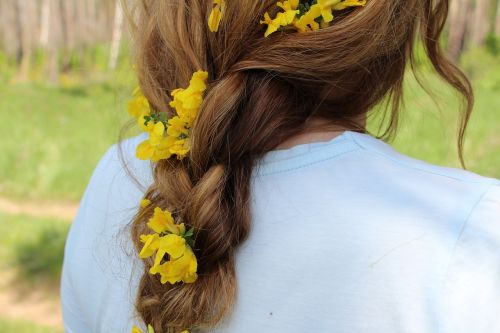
(383, 150)
(98, 266)
(472, 286)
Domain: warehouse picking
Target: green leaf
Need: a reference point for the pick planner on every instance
(189, 233)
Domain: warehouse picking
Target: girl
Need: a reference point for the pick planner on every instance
(268, 206)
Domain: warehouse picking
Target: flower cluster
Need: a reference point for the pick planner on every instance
(168, 137)
(305, 16)
(216, 15)
(135, 329)
(172, 247)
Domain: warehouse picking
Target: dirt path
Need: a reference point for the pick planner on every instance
(38, 305)
(43, 209)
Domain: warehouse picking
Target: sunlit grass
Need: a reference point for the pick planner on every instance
(33, 247)
(18, 326)
(53, 137)
(429, 123)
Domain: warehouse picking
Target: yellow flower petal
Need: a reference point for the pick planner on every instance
(145, 203)
(139, 105)
(180, 148)
(177, 127)
(162, 221)
(349, 3)
(216, 15)
(272, 26)
(135, 329)
(151, 245)
(307, 21)
(145, 150)
(173, 245)
(180, 270)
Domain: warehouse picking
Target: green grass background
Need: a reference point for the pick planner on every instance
(17, 326)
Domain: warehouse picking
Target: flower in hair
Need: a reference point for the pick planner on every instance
(168, 137)
(139, 108)
(171, 245)
(305, 16)
(135, 329)
(216, 15)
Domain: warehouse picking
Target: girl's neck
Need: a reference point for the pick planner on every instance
(317, 130)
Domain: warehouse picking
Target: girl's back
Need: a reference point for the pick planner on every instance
(347, 236)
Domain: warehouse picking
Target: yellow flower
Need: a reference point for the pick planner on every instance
(156, 133)
(307, 21)
(162, 221)
(151, 245)
(349, 3)
(139, 108)
(290, 8)
(145, 203)
(281, 20)
(187, 101)
(179, 270)
(177, 127)
(272, 26)
(180, 148)
(135, 329)
(162, 152)
(156, 147)
(139, 105)
(173, 245)
(216, 15)
(167, 138)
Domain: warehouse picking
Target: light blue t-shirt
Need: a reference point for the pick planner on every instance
(348, 236)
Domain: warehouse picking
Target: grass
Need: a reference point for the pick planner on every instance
(18, 326)
(33, 246)
(55, 136)
(429, 125)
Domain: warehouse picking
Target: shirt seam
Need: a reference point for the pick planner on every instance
(407, 165)
(302, 166)
(465, 225)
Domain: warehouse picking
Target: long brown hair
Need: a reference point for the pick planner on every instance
(261, 91)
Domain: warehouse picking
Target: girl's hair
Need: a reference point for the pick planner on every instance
(261, 91)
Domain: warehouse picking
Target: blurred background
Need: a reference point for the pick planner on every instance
(65, 79)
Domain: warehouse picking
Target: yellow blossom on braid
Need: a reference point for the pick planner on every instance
(216, 15)
(306, 15)
(168, 137)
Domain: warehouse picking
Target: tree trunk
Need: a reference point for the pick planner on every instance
(117, 36)
(481, 26)
(458, 27)
(45, 24)
(53, 42)
(497, 20)
(23, 31)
